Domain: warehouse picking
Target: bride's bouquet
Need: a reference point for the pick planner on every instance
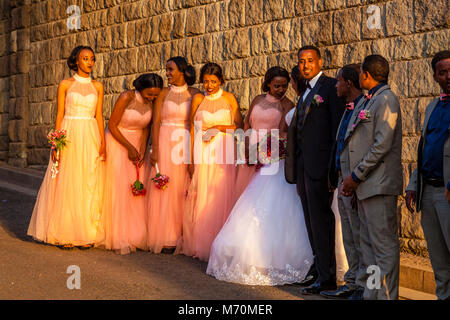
(265, 154)
(160, 180)
(57, 140)
(137, 188)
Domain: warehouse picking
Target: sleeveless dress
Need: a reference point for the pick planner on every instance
(264, 241)
(165, 215)
(68, 206)
(210, 195)
(123, 225)
(267, 116)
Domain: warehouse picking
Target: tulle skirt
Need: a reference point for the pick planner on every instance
(123, 225)
(210, 199)
(165, 214)
(68, 207)
(264, 241)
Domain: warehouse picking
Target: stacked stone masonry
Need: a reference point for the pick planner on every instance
(245, 36)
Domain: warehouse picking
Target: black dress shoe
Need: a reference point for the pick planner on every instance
(309, 280)
(319, 286)
(358, 294)
(343, 292)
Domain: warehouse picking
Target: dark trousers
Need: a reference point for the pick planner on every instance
(320, 223)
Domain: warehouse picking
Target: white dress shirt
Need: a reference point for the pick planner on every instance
(312, 83)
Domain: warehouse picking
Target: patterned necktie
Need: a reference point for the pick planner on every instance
(350, 106)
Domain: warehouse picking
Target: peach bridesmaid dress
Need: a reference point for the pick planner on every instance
(123, 225)
(268, 119)
(68, 206)
(210, 195)
(165, 215)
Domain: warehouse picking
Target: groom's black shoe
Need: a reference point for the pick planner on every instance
(309, 280)
(343, 292)
(319, 286)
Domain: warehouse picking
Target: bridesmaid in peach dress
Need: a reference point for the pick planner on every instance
(170, 146)
(210, 195)
(123, 226)
(270, 104)
(68, 206)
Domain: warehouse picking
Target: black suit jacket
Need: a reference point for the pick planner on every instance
(310, 142)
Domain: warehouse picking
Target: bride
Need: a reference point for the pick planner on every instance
(264, 241)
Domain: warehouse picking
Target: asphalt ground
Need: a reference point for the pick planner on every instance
(32, 270)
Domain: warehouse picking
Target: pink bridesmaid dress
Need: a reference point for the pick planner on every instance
(123, 225)
(210, 195)
(266, 114)
(165, 214)
(68, 206)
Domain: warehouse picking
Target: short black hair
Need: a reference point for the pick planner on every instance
(148, 80)
(187, 69)
(350, 72)
(309, 47)
(441, 55)
(212, 69)
(377, 66)
(72, 60)
(272, 73)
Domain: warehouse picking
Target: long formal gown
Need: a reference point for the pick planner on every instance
(165, 219)
(210, 195)
(264, 120)
(123, 225)
(264, 241)
(68, 207)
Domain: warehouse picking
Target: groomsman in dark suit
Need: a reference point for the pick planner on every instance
(348, 88)
(311, 135)
(430, 182)
(374, 162)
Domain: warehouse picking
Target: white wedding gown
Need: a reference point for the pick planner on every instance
(264, 241)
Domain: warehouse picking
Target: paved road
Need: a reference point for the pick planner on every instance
(30, 270)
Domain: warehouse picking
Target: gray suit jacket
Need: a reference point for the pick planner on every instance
(344, 158)
(373, 146)
(416, 181)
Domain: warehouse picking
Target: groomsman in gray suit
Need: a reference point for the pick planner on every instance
(430, 182)
(375, 147)
(348, 87)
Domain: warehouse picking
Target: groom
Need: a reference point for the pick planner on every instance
(311, 136)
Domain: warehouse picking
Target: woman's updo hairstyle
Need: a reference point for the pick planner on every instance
(73, 58)
(212, 69)
(185, 68)
(272, 73)
(148, 80)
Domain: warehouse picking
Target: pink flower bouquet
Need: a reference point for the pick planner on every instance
(160, 180)
(57, 140)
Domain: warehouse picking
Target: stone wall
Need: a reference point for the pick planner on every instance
(245, 36)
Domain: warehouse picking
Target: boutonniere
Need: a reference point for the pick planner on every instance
(364, 114)
(317, 100)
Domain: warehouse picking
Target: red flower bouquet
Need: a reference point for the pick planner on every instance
(160, 180)
(58, 140)
(137, 188)
(265, 156)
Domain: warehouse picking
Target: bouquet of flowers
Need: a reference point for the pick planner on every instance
(265, 156)
(160, 180)
(57, 140)
(137, 188)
